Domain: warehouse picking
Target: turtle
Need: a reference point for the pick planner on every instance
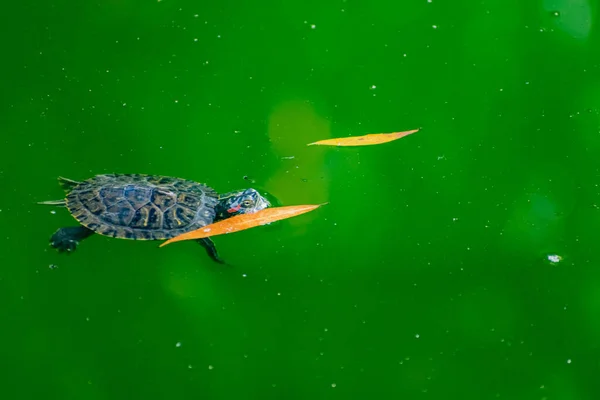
(146, 207)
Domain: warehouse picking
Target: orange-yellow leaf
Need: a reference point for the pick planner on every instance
(366, 140)
(244, 221)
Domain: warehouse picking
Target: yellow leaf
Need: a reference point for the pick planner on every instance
(366, 140)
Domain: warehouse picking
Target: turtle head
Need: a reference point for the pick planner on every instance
(245, 201)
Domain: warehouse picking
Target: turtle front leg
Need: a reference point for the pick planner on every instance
(67, 239)
(211, 249)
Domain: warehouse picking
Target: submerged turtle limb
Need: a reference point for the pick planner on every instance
(67, 239)
(67, 184)
(211, 249)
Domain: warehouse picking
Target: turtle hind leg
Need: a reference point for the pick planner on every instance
(211, 249)
(67, 239)
(67, 184)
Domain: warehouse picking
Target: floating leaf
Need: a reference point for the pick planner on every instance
(366, 140)
(244, 221)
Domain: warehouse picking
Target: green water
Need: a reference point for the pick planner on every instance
(426, 275)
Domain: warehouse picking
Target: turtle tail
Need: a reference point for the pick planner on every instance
(67, 185)
(58, 203)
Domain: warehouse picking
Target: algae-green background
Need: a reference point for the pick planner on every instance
(426, 276)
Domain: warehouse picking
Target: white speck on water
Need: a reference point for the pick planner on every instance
(554, 258)
(434, 26)
(52, 212)
(333, 385)
(87, 319)
(417, 336)
(178, 344)
(313, 26)
(124, 104)
(195, 39)
(278, 294)
(190, 366)
(373, 87)
(244, 275)
(210, 367)
(195, 15)
(569, 361)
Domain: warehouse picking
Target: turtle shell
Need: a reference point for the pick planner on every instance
(142, 207)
